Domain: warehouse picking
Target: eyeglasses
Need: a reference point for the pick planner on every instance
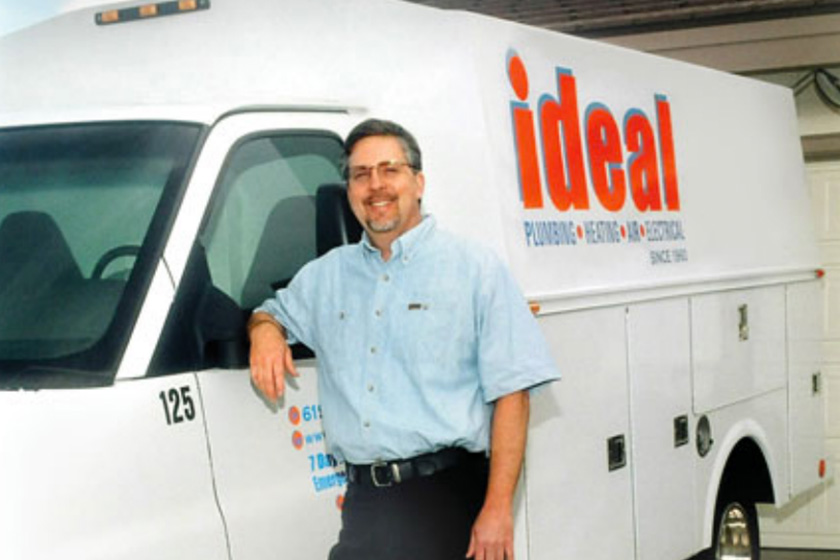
(388, 169)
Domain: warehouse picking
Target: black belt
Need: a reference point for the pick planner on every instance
(387, 473)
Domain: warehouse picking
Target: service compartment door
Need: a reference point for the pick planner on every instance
(663, 452)
(738, 345)
(577, 506)
(806, 400)
(118, 473)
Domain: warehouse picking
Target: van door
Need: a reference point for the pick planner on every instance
(275, 206)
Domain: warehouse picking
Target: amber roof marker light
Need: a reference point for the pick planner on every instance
(150, 11)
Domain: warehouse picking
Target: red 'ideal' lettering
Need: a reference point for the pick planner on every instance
(650, 172)
(529, 171)
(666, 143)
(641, 167)
(605, 158)
(559, 118)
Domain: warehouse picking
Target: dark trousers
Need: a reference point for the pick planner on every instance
(427, 518)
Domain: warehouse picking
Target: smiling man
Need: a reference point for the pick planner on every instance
(426, 353)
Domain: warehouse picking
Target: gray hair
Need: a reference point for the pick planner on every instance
(379, 127)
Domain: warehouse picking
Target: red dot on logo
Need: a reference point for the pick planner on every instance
(518, 77)
(297, 440)
(623, 231)
(339, 501)
(294, 415)
(642, 231)
(580, 232)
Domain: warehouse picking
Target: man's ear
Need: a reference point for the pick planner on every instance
(421, 184)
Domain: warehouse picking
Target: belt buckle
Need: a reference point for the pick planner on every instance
(394, 472)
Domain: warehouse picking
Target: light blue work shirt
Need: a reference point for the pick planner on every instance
(413, 351)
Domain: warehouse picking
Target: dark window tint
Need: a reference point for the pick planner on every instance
(279, 204)
(78, 205)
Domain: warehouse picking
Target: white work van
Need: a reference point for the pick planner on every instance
(164, 168)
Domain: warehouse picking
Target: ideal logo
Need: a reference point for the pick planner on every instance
(636, 158)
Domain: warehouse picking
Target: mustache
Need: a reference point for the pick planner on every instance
(380, 198)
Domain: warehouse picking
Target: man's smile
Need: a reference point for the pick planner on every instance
(380, 202)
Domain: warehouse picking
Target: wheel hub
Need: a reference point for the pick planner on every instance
(734, 535)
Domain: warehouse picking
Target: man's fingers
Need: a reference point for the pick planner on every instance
(271, 358)
(471, 549)
(481, 549)
(264, 381)
(278, 376)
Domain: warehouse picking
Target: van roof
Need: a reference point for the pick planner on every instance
(236, 53)
(205, 114)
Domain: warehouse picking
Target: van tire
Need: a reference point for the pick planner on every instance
(736, 535)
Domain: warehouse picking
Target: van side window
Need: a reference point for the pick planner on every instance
(268, 218)
(262, 229)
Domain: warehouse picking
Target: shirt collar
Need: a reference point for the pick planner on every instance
(406, 244)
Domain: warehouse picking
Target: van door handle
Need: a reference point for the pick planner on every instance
(681, 436)
(616, 452)
(743, 323)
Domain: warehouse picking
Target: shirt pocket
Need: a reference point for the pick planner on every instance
(341, 347)
(433, 330)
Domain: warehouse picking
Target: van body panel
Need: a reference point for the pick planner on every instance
(121, 472)
(653, 212)
(758, 420)
(806, 409)
(738, 345)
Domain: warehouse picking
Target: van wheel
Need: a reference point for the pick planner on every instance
(736, 532)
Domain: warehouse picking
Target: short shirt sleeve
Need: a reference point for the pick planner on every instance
(512, 352)
(292, 306)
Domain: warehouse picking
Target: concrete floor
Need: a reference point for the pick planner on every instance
(783, 554)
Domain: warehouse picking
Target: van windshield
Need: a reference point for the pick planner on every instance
(83, 212)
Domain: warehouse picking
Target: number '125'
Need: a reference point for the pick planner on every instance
(177, 405)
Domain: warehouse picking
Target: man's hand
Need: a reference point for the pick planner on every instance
(492, 534)
(271, 357)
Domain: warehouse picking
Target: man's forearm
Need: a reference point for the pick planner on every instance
(507, 449)
(492, 533)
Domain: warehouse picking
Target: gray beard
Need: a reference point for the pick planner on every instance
(382, 227)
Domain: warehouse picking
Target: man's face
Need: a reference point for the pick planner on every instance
(385, 197)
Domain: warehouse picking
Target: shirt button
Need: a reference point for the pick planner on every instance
(370, 388)
(386, 278)
(378, 313)
(366, 424)
(373, 349)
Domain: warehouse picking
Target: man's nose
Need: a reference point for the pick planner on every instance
(375, 180)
